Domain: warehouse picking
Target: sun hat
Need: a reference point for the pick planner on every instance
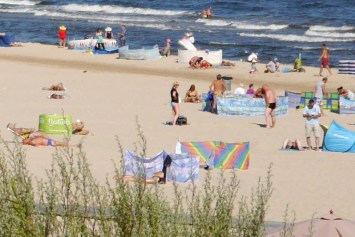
(108, 29)
(62, 28)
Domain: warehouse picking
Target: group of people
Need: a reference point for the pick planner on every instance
(199, 63)
(100, 35)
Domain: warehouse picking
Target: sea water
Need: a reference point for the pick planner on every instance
(281, 29)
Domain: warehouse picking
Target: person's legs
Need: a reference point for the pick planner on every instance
(214, 104)
(308, 136)
(316, 130)
(268, 117)
(273, 118)
(285, 143)
(330, 72)
(321, 70)
(298, 145)
(176, 111)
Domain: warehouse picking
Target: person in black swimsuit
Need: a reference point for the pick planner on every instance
(270, 101)
(175, 102)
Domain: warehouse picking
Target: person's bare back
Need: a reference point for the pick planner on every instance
(270, 95)
(218, 87)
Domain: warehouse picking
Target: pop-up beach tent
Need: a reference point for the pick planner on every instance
(6, 40)
(339, 139)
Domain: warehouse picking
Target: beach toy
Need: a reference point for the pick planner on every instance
(55, 124)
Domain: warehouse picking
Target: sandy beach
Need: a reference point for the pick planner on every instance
(108, 94)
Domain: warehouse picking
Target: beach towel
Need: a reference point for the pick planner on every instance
(184, 168)
(142, 167)
(232, 155)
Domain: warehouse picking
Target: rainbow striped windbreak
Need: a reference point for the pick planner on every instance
(218, 154)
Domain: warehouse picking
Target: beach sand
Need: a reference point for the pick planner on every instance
(108, 94)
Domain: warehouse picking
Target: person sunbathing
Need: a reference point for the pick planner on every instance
(205, 64)
(290, 145)
(348, 94)
(78, 128)
(56, 96)
(24, 132)
(227, 64)
(58, 87)
(192, 95)
(40, 140)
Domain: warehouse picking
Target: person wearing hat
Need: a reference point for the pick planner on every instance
(108, 33)
(62, 34)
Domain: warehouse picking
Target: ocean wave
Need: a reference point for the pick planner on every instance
(19, 2)
(330, 34)
(223, 43)
(22, 10)
(296, 38)
(209, 22)
(330, 28)
(247, 26)
(118, 9)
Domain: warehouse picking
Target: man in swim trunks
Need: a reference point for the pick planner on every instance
(324, 58)
(43, 141)
(217, 88)
(270, 101)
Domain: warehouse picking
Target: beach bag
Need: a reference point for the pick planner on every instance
(181, 120)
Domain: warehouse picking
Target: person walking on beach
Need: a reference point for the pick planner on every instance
(175, 102)
(62, 35)
(122, 35)
(324, 58)
(312, 112)
(217, 88)
(319, 92)
(270, 101)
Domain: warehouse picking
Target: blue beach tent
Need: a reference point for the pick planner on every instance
(339, 139)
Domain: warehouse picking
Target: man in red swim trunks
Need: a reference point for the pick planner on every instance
(324, 58)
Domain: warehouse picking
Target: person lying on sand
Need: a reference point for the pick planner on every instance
(24, 132)
(227, 64)
(57, 96)
(205, 64)
(78, 128)
(157, 178)
(40, 140)
(348, 94)
(58, 87)
(288, 144)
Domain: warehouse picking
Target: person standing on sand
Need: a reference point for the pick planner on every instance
(312, 112)
(324, 58)
(122, 35)
(217, 88)
(270, 101)
(319, 92)
(175, 102)
(62, 35)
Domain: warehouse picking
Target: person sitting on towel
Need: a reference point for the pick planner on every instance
(348, 94)
(227, 64)
(195, 62)
(288, 144)
(192, 95)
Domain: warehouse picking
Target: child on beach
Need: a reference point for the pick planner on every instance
(62, 34)
(100, 40)
(253, 68)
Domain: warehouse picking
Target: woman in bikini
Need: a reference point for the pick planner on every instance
(192, 95)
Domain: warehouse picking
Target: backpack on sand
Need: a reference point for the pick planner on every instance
(181, 120)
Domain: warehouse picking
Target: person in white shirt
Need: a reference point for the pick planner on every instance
(240, 90)
(312, 113)
(348, 94)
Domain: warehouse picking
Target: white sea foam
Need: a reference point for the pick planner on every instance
(19, 2)
(210, 22)
(118, 9)
(331, 28)
(247, 26)
(296, 38)
(330, 34)
(23, 10)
